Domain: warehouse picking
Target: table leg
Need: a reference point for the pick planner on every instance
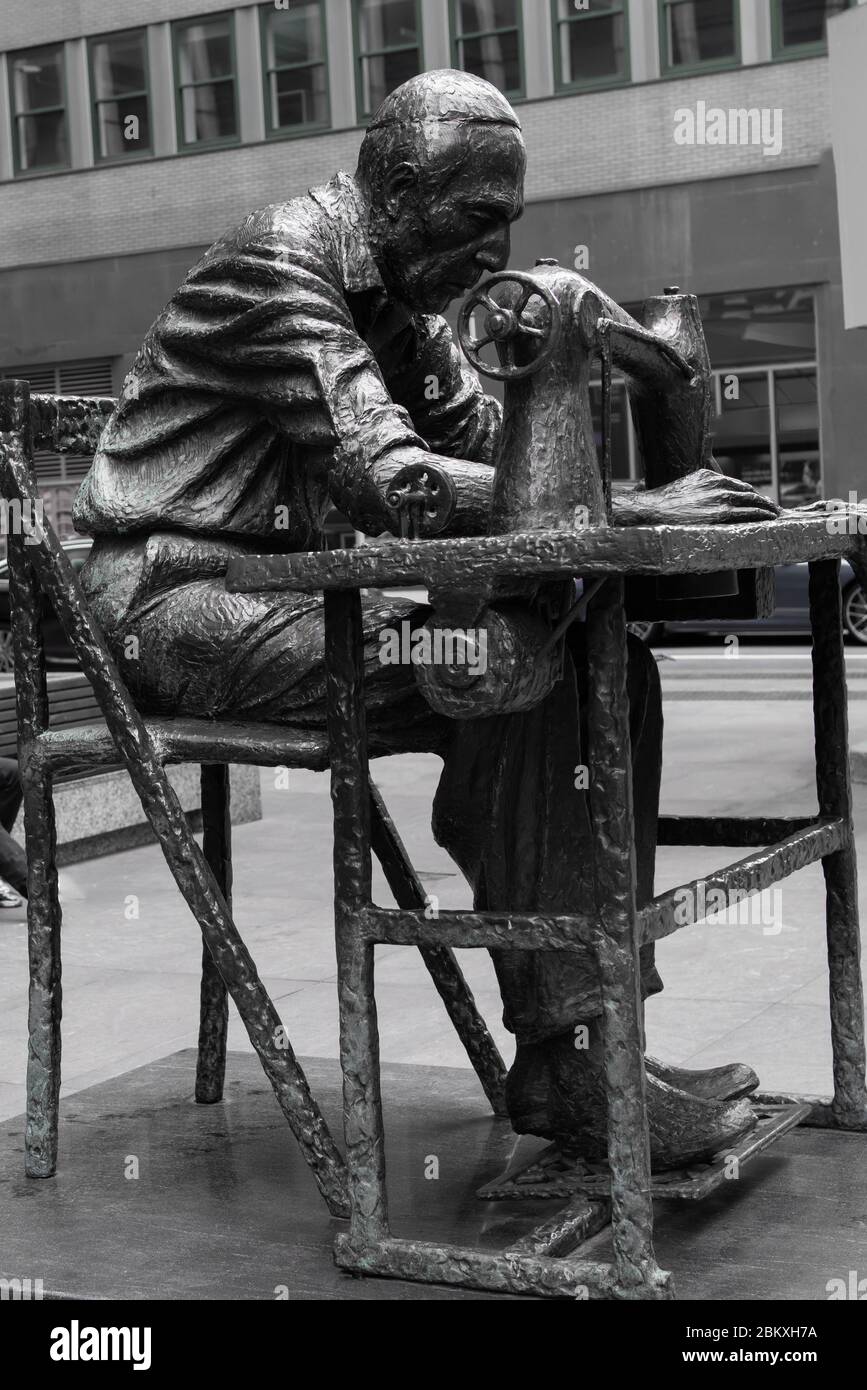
(359, 1036)
(638, 1274)
(214, 1007)
(833, 782)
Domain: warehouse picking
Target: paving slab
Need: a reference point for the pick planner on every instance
(157, 1197)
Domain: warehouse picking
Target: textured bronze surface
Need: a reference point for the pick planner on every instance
(214, 1008)
(615, 893)
(57, 580)
(834, 788)
(729, 830)
(193, 740)
(545, 1277)
(680, 906)
(567, 1229)
(359, 1038)
(291, 371)
(823, 1112)
(514, 931)
(553, 1176)
(43, 903)
(68, 424)
(476, 564)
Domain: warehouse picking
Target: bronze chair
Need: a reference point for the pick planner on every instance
(38, 566)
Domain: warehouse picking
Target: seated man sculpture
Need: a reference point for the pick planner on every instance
(302, 364)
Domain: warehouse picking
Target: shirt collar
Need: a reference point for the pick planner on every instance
(342, 200)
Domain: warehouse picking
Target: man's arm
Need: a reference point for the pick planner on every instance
(443, 395)
(460, 424)
(264, 314)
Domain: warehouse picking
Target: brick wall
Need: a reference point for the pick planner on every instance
(592, 143)
(26, 23)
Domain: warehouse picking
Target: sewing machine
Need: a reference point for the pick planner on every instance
(549, 328)
(550, 520)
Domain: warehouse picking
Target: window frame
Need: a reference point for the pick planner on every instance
(226, 142)
(15, 116)
(598, 83)
(292, 132)
(96, 102)
(783, 53)
(771, 371)
(456, 39)
(693, 69)
(364, 116)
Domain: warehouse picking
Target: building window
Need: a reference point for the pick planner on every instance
(119, 85)
(294, 68)
(768, 433)
(205, 78)
(763, 347)
(388, 49)
(801, 26)
(698, 34)
(486, 40)
(766, 430)
(39, 109)
(591, 47)
(624, 449)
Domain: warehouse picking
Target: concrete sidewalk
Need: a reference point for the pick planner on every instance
(752, 992)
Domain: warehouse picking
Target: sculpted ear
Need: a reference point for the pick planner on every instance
(399, 185)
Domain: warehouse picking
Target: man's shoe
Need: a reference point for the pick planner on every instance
(714, 1083)
(8, 896)
(528, 1085)
(684, 1129)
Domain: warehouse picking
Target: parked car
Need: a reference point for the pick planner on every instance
(791, 616)
(58, 654)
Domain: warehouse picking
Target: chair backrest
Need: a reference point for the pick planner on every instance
(68, 424)
(39, 565)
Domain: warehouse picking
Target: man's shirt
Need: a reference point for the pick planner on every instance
(275, 377)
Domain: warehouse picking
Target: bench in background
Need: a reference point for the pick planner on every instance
(98, 811)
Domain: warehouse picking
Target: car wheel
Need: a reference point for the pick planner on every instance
(7, 653)
(855, 613)
(648, 632)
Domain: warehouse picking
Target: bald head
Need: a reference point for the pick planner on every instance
(448, 96)
(442, 170)
(431, 122)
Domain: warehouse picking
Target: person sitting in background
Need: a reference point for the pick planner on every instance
(13, 861)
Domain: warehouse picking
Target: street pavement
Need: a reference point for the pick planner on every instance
(738, 740)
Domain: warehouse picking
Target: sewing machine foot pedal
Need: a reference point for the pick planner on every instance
(553, 1174)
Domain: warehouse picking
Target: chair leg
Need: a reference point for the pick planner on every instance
(43, 944)
(214, 1017)
(359, 1034)
(441, 961)
(43, 902)
(849, 1107)
(51, 568)
(609, 755)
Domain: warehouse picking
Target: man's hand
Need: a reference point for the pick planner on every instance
(704, 497)
(431, 495)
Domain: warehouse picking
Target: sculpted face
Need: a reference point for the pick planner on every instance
(446, 215)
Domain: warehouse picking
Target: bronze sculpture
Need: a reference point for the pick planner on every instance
(303, 361)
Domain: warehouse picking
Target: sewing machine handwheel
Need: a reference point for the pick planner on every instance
(422, 499)
(504, 324)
